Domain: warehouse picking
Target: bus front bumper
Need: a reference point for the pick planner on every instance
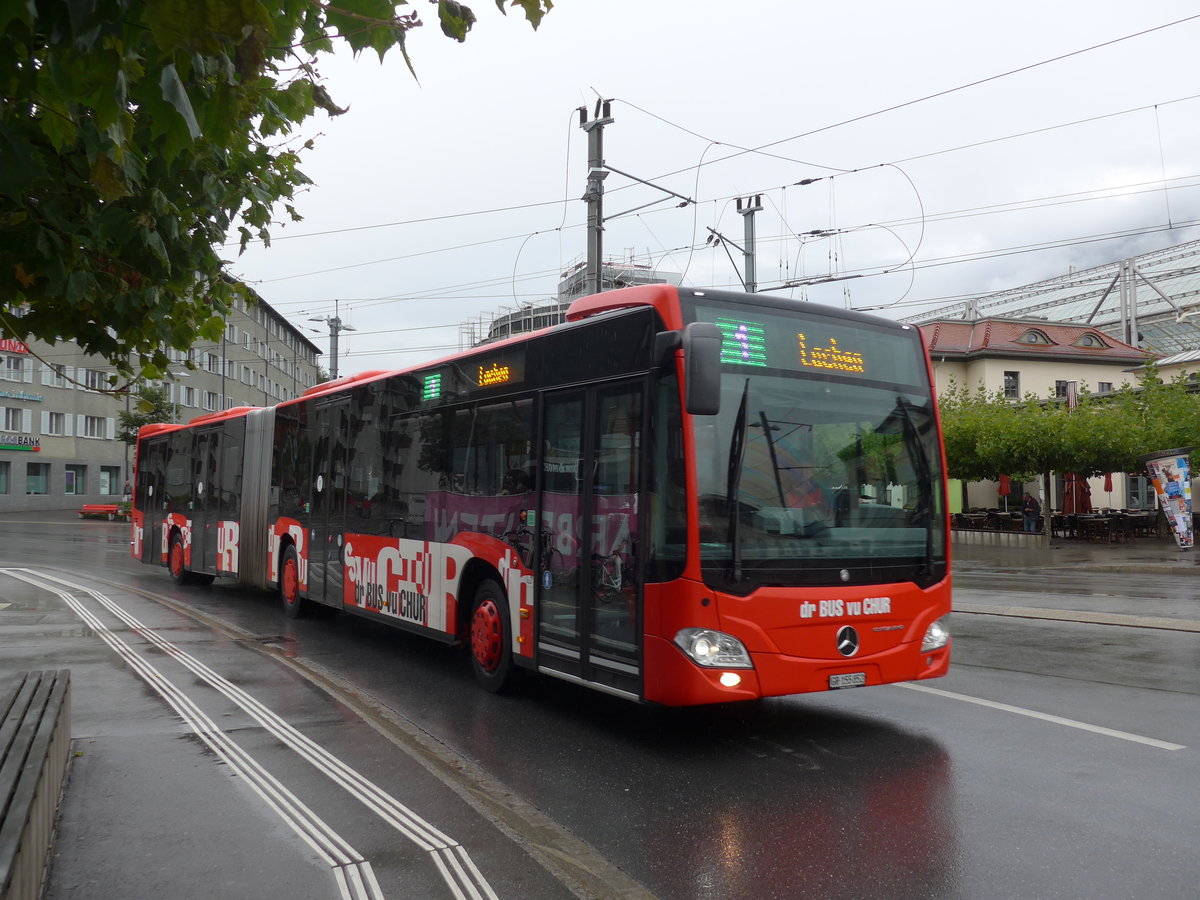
(672, 679)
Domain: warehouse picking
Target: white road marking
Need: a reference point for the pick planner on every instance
(463, 878)
(324, 841)
(1046, 717)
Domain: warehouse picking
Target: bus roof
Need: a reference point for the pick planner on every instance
(158, 428)
(326, 386)
(663, 297)
(235, 412)
(202, 419)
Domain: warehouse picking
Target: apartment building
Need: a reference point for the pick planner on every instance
(59, 444)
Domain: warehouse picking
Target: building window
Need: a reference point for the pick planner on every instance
(12, 419)
(4, 467)
(14, 368)
(95, 379)
(56, 376)
(54, 423)
(75, 480)
(1091, 341)
(93, 427)
(1139, 493)
(1105, 387)
(1060, 389)
(110, 479)
(189, 397)
(37, 478)
(1012, 385)
(1034, 336)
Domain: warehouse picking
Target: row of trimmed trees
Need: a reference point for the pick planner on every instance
(987, 436)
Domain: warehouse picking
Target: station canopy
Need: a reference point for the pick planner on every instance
(1159, 291)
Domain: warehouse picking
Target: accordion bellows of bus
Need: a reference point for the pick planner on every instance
(677, 496)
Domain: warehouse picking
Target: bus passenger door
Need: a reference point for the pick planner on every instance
(589, 602)
(205, 487)
(328, 492)
(150, 494)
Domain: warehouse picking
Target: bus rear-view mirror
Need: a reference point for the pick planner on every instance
(702, 362)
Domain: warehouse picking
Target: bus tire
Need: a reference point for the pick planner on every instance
(179, 574)
(294, 606)
(490, 637)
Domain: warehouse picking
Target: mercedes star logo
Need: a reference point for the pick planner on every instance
(847, 640)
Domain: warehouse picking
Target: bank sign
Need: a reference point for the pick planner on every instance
(20, 442)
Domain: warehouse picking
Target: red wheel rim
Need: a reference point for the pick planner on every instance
(177, 559)
(291, 582)
(487, 635)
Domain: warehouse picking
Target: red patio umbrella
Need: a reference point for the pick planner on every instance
(1108, 486)
(1077, 496)
(1005, 489)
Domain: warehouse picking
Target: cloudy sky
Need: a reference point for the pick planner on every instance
(958, 148)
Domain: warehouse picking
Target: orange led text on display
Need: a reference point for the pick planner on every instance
(832, 357)
(497, 374)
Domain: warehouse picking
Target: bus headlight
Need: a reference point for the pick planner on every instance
(713, 649)
(937, 636)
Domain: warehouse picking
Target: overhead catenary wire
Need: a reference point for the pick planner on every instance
(892, 223)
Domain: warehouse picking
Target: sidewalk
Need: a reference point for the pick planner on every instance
(1101, 571)
(1146, 556)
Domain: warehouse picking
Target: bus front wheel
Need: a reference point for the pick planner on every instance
(294, 605)
(491, 638)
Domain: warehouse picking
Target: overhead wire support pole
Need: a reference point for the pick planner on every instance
(335, 327)
(594, 194)
(723, 241)
(747, 213)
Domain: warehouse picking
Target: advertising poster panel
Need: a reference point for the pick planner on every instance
(1172, 477)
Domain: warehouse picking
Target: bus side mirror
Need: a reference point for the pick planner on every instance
(702, 364)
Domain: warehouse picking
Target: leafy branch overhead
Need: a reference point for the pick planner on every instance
(138, 136)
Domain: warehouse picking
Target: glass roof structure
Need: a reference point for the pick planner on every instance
(1156, 294)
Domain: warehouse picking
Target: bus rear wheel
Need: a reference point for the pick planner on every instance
(175, 566)
(294, 606)
(491, 638)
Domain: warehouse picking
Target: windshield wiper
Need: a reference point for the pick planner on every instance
(912, 437)
(733, 480)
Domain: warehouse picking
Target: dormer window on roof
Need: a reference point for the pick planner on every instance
(1091, 340)
(1034, 336)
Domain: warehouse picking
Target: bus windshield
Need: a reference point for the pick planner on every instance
(819, 474)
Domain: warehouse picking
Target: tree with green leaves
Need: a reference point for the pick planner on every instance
(153, 406)
(987, 435)
(137, 135)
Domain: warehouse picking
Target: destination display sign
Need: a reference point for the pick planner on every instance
(803, 342)
(485, 373)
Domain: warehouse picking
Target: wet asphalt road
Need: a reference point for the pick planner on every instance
(1058, 759)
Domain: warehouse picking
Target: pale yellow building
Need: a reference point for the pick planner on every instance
(1018, 357)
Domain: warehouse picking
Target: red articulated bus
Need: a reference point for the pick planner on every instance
(677, 496)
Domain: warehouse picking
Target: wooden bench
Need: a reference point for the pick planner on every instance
(35, 738)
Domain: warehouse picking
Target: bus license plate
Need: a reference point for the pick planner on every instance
(848, 680)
